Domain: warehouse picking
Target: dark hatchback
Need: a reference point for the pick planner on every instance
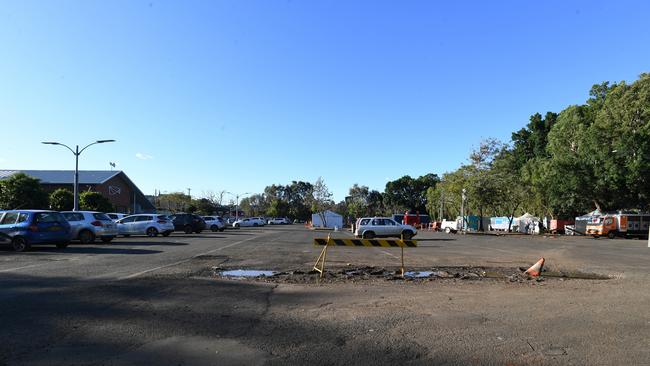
(24, 228)
(188, 223)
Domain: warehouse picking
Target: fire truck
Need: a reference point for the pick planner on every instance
(620, 224)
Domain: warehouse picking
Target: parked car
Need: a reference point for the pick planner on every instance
(145, 224)
(252, 221)
(214, 223)
(371, 227)
(260, 220)
(116, 216)
(188, 223)
(89, 225)
(279, 221)
(25, 228)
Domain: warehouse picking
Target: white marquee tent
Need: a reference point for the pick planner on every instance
(332, 219)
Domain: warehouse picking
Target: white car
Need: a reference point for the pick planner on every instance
(214, 223)
(253, 221)
(116, 216)
(279, 221)
(88, 225)
(372, 227)
(145, 224)
(260, 220)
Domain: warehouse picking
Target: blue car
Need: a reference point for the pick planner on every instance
(23, 228)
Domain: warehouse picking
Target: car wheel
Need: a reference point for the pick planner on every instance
(236, 226)
(152, 232)
(255, 224)
(166, 233)
(20, 244)
(126, 235)
(62, 245)
(222, 229)
(107, 239)
(188, 229)
(611, 234)
(448, 230)
(214, 228)
(407, 235)
(369, 235)
(86, 237)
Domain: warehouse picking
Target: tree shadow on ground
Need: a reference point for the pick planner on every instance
(66, 321)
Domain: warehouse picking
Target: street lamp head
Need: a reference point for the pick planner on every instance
(103, 141)
(50, 143)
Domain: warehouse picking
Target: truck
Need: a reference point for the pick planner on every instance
(619, 224)
(451, 226)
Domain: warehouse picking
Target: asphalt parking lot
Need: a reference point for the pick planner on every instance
(150, 301)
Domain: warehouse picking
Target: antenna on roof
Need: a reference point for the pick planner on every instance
(112, 164)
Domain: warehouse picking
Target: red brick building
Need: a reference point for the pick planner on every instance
(114, 185)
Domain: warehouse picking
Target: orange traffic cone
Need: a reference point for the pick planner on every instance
(536, 269)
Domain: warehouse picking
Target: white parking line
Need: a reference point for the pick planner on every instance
(186, 260)
(388, 254)
(19, 268)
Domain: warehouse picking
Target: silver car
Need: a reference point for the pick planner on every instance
(116, 216)
(214, 223)
(372, 227)
(145, 224)
(86, 226)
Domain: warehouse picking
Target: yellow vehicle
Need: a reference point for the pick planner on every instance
(622, 224)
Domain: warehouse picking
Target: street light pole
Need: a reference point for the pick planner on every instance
(237, 195)
(76, 152)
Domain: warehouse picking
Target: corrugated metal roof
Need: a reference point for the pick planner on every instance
(65, 176)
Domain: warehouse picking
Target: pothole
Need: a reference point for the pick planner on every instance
(332, 275)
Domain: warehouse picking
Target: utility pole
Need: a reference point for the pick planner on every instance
(442, 202)
(462, 210)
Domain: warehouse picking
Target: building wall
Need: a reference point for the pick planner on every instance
(118, 192)
(115, 189)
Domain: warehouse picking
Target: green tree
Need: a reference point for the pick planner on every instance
(204, 206)
(321, 199)
(483, 190)
(278, 208)
(174, 202)
(407, 193)
(357, 201)
(22, 191)
(61, 200)
(94, 201)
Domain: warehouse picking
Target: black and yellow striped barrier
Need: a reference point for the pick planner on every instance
(388, 243)
(376, 243)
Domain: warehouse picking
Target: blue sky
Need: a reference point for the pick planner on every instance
(237, 95)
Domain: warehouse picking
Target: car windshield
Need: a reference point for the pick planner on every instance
(49, 217)
(101, 216)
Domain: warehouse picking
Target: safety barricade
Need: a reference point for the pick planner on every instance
(386, 243)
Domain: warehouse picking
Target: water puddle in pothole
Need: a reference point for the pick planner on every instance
(239, 273)
(422, 274)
